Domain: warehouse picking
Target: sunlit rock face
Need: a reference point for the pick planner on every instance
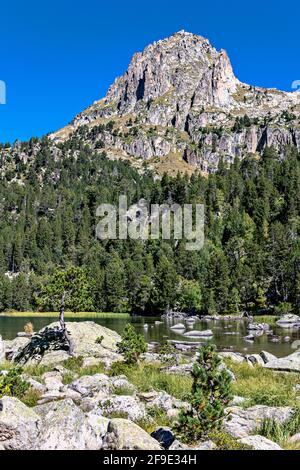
(180, 97)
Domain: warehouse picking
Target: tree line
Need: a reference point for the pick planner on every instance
(251, 256)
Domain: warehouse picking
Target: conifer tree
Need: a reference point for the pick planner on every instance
(211, 393)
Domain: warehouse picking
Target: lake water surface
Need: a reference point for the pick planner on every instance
(226, 334)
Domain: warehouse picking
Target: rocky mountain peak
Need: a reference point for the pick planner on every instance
(183, 69)
(179, 98)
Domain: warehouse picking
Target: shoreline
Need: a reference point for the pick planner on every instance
(67, 315)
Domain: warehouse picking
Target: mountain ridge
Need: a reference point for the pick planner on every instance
(179, 96)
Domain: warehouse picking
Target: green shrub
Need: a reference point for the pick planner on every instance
(132, 344)
(12, 383)
(210, 394)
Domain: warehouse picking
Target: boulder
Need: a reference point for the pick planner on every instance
(267, 357)
(198, 334)
(50, 358)
(165, 402)
(19, 425)
(53, 381)
(294, 438)
(84, 336)
(164, 436)
(259, 443)
(123, 405)
(233, 356)
(178, 326)
(12, 347)
(126, 435)
(120, 382)
(65, 427)
(255, 359)
(89, 385)
(207, 445)
(177, 445)
(289, 363)
(288, 321)
(258, 326)
(99, 426)
(243, 422)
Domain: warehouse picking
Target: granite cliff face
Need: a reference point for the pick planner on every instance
(180, 98)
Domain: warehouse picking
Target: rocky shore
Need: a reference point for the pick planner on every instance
(90, 402)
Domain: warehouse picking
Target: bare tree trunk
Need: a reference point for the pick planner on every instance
(63, 326)
(62, 313)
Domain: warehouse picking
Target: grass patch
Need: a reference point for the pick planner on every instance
(75, 366)
(225, 441)
(270, 319)
(147, 377)
(280, 432)
(263, 386)
(67, 315)
(31, 397)
(123, 391)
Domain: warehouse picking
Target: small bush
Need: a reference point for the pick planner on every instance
(132, 344)
(28, 328)
(12, 383)
(210, 394)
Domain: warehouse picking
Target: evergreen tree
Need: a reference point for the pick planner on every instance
(211, 393)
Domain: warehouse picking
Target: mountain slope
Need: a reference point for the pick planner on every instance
(179, 98)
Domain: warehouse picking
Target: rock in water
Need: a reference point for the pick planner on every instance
(19, 425)
(288, 321)
(196, 333)
(126, 435)
(178, 326)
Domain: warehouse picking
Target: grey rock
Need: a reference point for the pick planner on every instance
(260, 443)
(126, 435)
(207, 445)
(243, 422)
(65, 427)
(288, 321)
(258, 326)
(178, 326)
(233, 356)
(267, 357)
(177, 445)
(19, 425)
(89, 385)
(200, 334)
(123, 405)
(289, 363)
(255, 359)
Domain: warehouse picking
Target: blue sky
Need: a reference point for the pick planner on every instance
(58, 57)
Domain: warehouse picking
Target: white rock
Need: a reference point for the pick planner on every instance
(260, 443)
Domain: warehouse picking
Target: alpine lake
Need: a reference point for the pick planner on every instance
(228, 335)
